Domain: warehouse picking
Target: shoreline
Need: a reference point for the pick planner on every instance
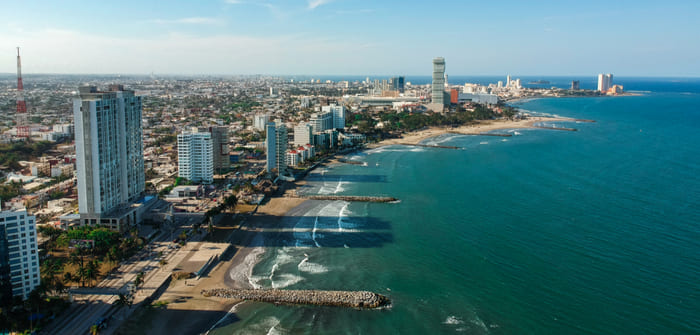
(479, 128)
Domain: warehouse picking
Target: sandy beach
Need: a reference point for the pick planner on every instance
(472, 129)
(183, 297)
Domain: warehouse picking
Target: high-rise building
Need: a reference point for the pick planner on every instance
(260, 121)
(303, 134)
(438, 90)
(276, 145)
(219, 141)
(508, 81)
(321, 122)
(604, 82)
(195, 159)
(338, 114)
(109, 150)
(19, 256)
(575, 85)
(397, 84)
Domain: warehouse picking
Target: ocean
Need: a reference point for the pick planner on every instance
(546, 232)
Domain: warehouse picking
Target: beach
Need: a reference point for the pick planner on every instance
(184, 298)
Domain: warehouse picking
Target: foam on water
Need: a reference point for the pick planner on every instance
(306, 266)
(453, 320)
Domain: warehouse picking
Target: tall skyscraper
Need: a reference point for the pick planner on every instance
(438, 90)
(109, 150)
(397, 84)
(575, 85)
(276, 145)
(508, 81)
(195, 159)
(604, 82)
(219, 140)
(338, 114)
(19, 256)
(321, 122)
(260, 121)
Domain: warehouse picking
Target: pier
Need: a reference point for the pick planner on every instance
(347, 198)
(556, 128)
(354, 299)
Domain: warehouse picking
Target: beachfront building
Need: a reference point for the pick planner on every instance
(438, 89)
(195, 160)
(19, 255)
(338, 115)
(303, 134)
(604, 82)
(276, 145)
(109, 155)
(321, 122)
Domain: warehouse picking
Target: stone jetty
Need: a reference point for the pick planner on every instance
(354, 299)
(348, 198)
(556, 128)
(431, 146)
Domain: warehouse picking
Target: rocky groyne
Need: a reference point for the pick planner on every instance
(354, 299)
(348, 198)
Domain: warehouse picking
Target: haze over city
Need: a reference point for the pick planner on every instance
(630, 38)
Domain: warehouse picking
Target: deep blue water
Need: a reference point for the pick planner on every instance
(589, 232)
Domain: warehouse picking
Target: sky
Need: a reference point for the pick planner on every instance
(352, 37)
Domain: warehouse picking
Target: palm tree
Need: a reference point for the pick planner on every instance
(92, 271)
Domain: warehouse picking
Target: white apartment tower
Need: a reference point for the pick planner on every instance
(604, 82)
(322, 122)
(260, 121)
(19, 256)
(195, 156)
(276, 146)
(109, 150)
(303, 134)
(338, 113)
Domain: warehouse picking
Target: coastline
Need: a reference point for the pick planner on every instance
(416, 137)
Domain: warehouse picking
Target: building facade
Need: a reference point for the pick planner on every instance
(195, 156)
(19, 255)
(303, 134)
(321, 122)
(109, 152)
(438, 88)
(276, 145)
(260, 121)
(604, 82)
(338, 115)
(219, 140)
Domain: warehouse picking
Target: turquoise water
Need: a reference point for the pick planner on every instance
(588, 232)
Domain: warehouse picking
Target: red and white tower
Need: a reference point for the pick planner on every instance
(22, 115)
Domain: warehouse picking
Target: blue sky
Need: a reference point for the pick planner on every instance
(356, 37)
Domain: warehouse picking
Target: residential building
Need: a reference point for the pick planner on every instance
(260, 120)
(338, 115)
(276, 145)
(219, 140)
(322, 122)
(575, 85)
(605, 82)
(109, 151)
(438, 89)
(19, 256)
(303, 134)
(195, 159)
(397, 83)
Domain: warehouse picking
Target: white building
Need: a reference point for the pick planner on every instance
(19, 264)
(195, 157)
(260, 120)
(322, 122)
(604, 82)
(276, 145)
(338, 113)
(303, 134)
(109, 152)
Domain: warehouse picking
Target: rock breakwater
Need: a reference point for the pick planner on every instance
(355, 299)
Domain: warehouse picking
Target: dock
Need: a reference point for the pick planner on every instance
(353, 299)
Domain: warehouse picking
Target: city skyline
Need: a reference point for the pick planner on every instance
(352, 38)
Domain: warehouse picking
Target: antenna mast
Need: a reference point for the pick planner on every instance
(22, 115)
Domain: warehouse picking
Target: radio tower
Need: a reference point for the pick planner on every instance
(22, 115)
